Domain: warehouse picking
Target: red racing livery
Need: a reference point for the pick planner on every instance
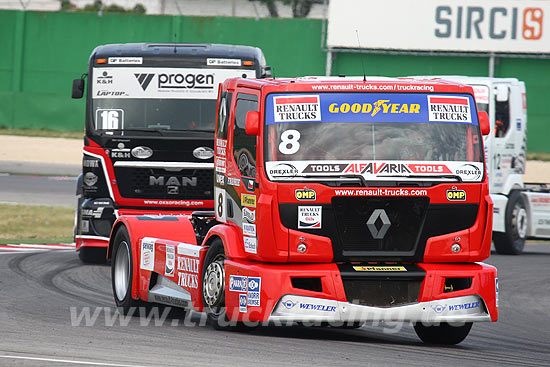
(337, 201)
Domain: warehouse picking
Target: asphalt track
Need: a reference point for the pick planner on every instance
(38, 190)
(44, 294)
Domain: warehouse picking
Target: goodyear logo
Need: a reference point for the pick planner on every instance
(305, 194)
(382, 105)
(248, 200)
(379, 268)
(456, 195)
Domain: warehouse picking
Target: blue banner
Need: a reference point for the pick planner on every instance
(370, 108)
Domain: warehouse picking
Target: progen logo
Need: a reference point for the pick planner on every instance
(144, 79)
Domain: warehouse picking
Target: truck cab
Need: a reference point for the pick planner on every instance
(521, 210)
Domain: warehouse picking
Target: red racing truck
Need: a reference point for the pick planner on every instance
(337, 201)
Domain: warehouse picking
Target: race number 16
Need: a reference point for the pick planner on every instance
(112, 119)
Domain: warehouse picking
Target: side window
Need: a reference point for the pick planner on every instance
(244, 146)
(223, 115)
(502, 116)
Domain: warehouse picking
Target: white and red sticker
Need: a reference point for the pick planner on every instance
(449, 109)
(481, 93)
(147, 261)
(297, 108)
(310, 217)
(170, 263)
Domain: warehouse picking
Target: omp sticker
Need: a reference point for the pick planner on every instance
(238, 283)
(242, 303)
(305, 194)
(379, 268)
(248, 200)
(297, 108)
(250, 245)
(254, 290)
(147, 261)
(249, 229)
(449, 108)
(456, 195)
(310, 217)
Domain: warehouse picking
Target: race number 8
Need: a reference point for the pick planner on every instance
(220, 204)
(289, 142)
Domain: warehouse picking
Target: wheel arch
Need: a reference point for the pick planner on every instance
(231, 240)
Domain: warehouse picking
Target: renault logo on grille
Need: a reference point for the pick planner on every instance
(378, 234)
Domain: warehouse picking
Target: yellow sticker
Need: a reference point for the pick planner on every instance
(248, 200)
(379, 268)
(456, 195)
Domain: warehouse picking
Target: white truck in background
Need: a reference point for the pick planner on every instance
(521, 210)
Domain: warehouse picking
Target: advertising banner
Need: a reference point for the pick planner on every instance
(166, 83)
(505, 26)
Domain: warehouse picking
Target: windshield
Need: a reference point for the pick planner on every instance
(341, 133)
(156, 99)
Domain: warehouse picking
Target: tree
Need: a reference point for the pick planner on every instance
(300, 8)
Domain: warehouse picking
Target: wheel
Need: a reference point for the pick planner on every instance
(213, 285)
(443, 333)
(516, 223)
(93, 255)
(122, 272)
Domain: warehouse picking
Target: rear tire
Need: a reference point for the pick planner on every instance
(122, 272)
(93, 255)
(516, 224)
(443, 333)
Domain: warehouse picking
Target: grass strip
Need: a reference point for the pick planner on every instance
(35, 224)
(43, 133)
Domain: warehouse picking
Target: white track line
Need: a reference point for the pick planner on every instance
(90, 363)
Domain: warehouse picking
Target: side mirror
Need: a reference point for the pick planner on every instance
(252, 124)
(267, 72)
(78, 88)
(484, 125)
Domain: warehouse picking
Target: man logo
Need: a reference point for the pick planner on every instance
(376, 233)
(144, 80)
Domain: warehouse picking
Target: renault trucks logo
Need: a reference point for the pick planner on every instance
(447, 108)
(299, 108)
(376, 233)
(144, 79)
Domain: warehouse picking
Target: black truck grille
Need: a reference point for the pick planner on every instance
(158, 183)
(379, 224)
(412, 222)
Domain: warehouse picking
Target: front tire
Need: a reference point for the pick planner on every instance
(516, 223)
(443, 333)
(122, 272)
(213, 285)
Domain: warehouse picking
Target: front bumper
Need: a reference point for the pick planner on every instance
(310, 309)
(269, 292)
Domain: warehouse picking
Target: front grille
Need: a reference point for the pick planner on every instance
(381, 292)
(412, 222)
(187, 184)
(379, 224)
